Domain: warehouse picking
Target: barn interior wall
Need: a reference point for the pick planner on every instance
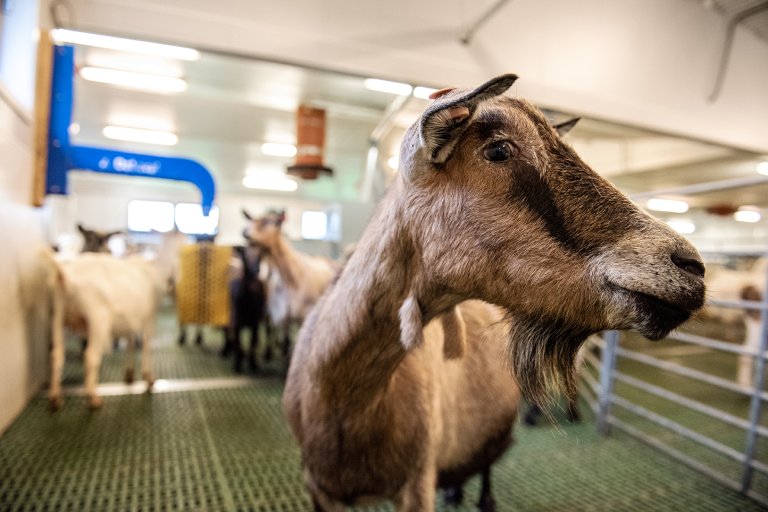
(23, 301)
(24, 309)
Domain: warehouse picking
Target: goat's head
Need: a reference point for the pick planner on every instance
(96, 241)
(500, 208)
(264, 231)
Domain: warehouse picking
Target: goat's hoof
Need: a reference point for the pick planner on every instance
(487, 504)
(55, 403)
(95, 402)
(453, 496)
(150, 381)
(128, 376)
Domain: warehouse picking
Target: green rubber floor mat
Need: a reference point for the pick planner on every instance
(170, 360)
(229, 449)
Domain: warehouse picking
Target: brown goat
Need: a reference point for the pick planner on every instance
(296, 280)
(489, 204)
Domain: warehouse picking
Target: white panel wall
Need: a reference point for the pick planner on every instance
(24, 309)
(648, 63)
(23, 301)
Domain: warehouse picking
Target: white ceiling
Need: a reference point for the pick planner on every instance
(233, 105)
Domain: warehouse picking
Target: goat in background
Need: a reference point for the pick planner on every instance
(295, 280)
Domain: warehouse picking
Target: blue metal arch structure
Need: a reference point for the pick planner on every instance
(64, 156)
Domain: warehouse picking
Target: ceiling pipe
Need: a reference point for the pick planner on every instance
(371, 164)
(730, 33)
(702, 188)
(470, 32)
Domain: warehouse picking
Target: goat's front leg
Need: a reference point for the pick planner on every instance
(146, 358)
(486, 502)
(55, 401)
(418, 495)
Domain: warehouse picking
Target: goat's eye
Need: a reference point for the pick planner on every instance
(498, 151)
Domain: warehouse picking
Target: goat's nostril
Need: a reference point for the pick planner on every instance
(690, 265)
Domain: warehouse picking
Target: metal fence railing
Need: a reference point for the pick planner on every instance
(603, 397)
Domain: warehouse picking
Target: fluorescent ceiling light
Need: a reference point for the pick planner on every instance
(375, 84)
(74, 128)
(266, 181)
(667, 205)
(762, 168)
(278, 149)
(393, 161)
(125, 45)
(131, 80)
(747, 215)
(423, 92)
(140, 135)
(684, 227)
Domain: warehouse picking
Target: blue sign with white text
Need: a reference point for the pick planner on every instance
(64, 156)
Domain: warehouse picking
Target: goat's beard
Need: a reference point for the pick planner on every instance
(542, 354)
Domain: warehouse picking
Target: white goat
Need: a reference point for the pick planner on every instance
(102, 297)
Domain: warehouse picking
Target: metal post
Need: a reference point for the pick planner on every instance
(608, 365)
(730, 33)
(756, 401)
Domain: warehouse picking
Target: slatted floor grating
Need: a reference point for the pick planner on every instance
(229, 449)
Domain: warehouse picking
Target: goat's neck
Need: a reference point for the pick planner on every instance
(357, 343)
(286, 260)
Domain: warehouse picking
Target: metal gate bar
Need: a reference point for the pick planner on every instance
(688, 372)
(756, 403)
(711, 343)
(687, 402)
(679, 429)
(610, 351)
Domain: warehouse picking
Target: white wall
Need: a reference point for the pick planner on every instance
(649, 63)
(23, 301)
(101, 202)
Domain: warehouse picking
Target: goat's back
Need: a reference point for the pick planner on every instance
(121, 292)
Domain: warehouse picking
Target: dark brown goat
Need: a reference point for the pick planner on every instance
(94, 240)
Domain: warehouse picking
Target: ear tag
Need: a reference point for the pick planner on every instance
(441, 92)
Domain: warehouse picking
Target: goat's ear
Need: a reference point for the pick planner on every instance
(113, 233)
(281, 217)
(454, 334)
(246, 214)
(411, 327)
(566, 126)
(446, 119)
(81, 229)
